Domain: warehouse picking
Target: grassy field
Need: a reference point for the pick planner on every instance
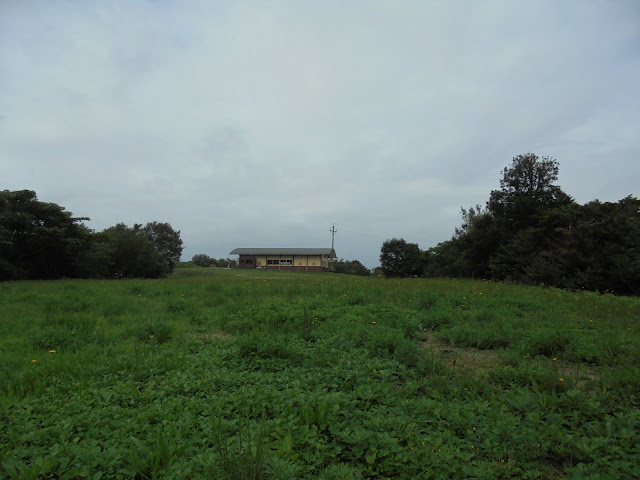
(235, 374)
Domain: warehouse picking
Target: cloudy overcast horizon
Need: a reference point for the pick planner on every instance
(261, 124)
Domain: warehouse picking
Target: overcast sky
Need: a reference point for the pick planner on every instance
(262, 123)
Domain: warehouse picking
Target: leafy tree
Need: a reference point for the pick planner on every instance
(203, 260)
(38, 239)
(595, 246)
(526, 190)
(132, 253)
(481, 246)
(468, 252)
(608, 236)
(401, 259)
(167, 243)
(42, 240)
(532, 232)
(351, 267)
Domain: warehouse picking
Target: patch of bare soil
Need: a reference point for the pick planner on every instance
(469, 361)
(465, 360)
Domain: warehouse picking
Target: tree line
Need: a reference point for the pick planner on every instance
(41, 240)
(204, 260)
(532, 232)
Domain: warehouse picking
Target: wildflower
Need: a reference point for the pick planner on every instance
(590, 321)
(34, 361)
(373, 323)
(52, 351)
(562, 379)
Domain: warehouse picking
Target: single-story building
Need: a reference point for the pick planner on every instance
(301, 259)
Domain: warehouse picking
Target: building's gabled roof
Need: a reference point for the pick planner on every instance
(285, 251)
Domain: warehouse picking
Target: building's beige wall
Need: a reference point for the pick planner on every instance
(315, 261)
(298, 261)
(307, 261)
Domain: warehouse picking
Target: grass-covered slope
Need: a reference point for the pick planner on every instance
(218, 373)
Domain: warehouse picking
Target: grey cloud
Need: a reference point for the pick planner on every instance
(252, 123)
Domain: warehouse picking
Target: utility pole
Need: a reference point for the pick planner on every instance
(333, 232)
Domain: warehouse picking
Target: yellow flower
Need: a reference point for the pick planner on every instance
(52, 351)
(373, 323)
(555, 359)
(34, 361)
(562, 379)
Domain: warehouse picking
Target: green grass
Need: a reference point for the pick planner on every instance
(232, 374)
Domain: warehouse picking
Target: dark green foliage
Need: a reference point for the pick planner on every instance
(42, 241)
(147, 252)
(38, 239)
(203, 260)
(351, 267)
(131, 253)
(532, 232)
(594, 247)
(526, 191)
(401, 259)
(166, 242)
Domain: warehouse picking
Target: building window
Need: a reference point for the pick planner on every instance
(273, 262)
(286, 262)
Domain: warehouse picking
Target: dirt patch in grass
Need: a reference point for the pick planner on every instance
(468, 361)
(465, 360)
